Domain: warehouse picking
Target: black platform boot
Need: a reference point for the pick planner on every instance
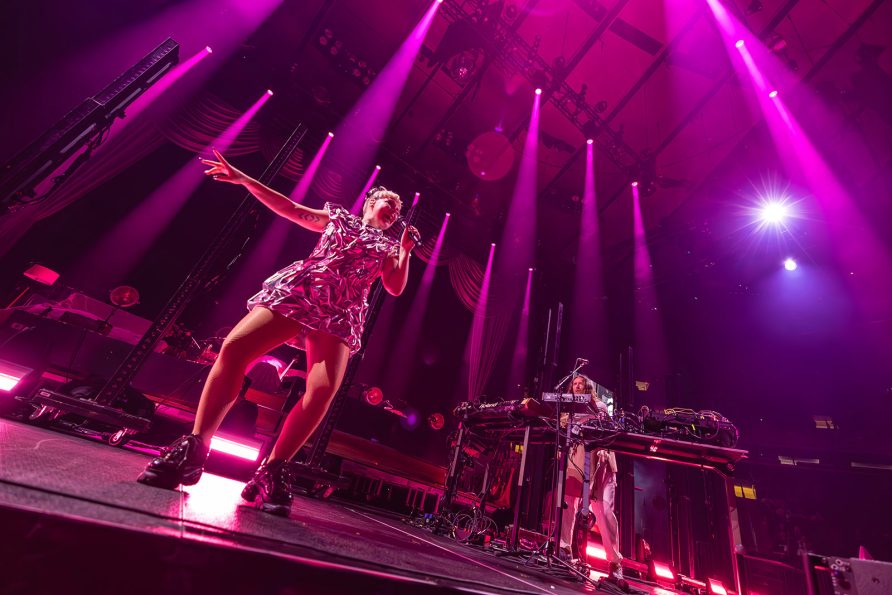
(270, 489)
(181, 463)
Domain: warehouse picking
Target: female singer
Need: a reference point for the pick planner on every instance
(318, 304)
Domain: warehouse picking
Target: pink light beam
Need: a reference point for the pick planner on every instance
(408, 343)
(356, 209)
(119, 251)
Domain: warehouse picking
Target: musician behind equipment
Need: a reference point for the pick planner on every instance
(603, 483)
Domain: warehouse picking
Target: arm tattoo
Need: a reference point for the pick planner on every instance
(309, 217)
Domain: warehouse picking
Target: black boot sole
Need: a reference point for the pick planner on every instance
(150, 478)
(168, 481)
(282, 510)
(256, 499)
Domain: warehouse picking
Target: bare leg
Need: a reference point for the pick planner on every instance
(255, 334)
(326, 362)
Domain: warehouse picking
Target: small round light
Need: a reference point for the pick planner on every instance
(790, 264)
(449, 214)
(436, 420)
(773, 94)
(590, 141)
(373, 395)
(209, 49)
(634, 184)
(331, 135)
(269, 91)
(378, 167)
(739, 44)
(538, 91)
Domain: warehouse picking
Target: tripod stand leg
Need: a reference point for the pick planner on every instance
(515, 529)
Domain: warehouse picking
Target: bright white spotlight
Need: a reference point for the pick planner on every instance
(590, 141)
(538, 91)
(739, 44)
(790, 264)
(773, 94)
(774, 212)
(269, 91)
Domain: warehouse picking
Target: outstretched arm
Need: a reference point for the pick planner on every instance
(396, 268)
(312, 219)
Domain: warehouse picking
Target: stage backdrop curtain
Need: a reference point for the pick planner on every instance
(203, 120)
(482, 356)
(466, 277)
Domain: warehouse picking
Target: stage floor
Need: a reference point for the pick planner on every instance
(76, 520)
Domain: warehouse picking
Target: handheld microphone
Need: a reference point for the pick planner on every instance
(582, 360)
(416, 237)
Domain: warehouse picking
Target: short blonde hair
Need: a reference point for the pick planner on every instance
(381, 192)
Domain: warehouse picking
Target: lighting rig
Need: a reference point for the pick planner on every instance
(513, 55)
(73, 139)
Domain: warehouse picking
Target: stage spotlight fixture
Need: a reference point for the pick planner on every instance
(590, 129)
(596, 550)
(463, 66)
(773, 94)
(538, 91)
(739, 44)
(209, 49)
(634, 184)
(716, 587)
(436, 421)
(774, 212)
(590, 141)
(378, 167)
(331, 135)
(790, 264)
(373, 395)
(11, 374)
(41, 274)
(269, 91)
(662, 573)
(249, 452)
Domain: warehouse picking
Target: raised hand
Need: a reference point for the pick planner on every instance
(406, 241)
(223, 171)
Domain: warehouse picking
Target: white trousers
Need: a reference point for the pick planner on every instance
(602, 502)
